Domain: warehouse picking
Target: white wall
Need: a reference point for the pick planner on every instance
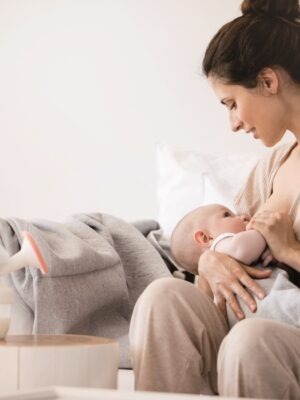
(86, 90)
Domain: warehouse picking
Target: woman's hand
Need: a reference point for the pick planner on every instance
(226, 279)
(266, 257)
(277, 229)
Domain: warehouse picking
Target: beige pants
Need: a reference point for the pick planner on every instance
(177, 345)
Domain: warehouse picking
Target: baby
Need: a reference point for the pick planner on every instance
(217, 228)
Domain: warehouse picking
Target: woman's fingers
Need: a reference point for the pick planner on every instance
(266, 218)
(220, 302)
(236, 289)
(267, 260)
(266, 257)
(245, 296)
(243, 276)
(277, 229)
(228, 280)
(258, 273)
(230, 294)
(251, 284)
(232, 301)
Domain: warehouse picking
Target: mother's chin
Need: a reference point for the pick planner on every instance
(270, 140)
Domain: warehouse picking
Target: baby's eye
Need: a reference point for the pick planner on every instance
(227, 214)
(232, 106)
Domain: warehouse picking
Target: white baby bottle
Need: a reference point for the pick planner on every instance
(29, 255)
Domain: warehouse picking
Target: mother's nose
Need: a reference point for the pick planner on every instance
(236, 123)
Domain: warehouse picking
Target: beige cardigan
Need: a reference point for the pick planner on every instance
(258, 187)
(283, 300)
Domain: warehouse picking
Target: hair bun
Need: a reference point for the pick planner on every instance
(288, 9)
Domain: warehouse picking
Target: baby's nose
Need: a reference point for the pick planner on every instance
(245, 217)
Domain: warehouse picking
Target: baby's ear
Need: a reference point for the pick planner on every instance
(202, 238)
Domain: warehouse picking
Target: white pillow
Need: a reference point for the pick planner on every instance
(189, 179)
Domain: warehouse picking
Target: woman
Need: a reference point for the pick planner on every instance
(180, 339)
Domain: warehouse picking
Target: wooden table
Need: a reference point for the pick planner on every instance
(67, 393)
(31, 361)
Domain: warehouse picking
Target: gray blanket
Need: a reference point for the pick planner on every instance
(98, 267)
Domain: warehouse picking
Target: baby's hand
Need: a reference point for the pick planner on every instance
(266, 257)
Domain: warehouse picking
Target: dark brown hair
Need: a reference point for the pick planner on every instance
(266, 35)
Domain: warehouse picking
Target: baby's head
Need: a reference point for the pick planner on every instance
(194, 233)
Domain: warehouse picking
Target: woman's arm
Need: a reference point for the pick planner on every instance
(226, 278)
(277, 229)
(293, 259)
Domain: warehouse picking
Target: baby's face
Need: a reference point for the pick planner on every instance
(221, 220)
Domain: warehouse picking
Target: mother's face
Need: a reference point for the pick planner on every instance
(258, 111)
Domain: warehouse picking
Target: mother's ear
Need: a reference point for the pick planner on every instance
(268, 81)
(202, 238)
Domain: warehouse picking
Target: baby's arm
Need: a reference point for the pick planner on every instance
(246, 246)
